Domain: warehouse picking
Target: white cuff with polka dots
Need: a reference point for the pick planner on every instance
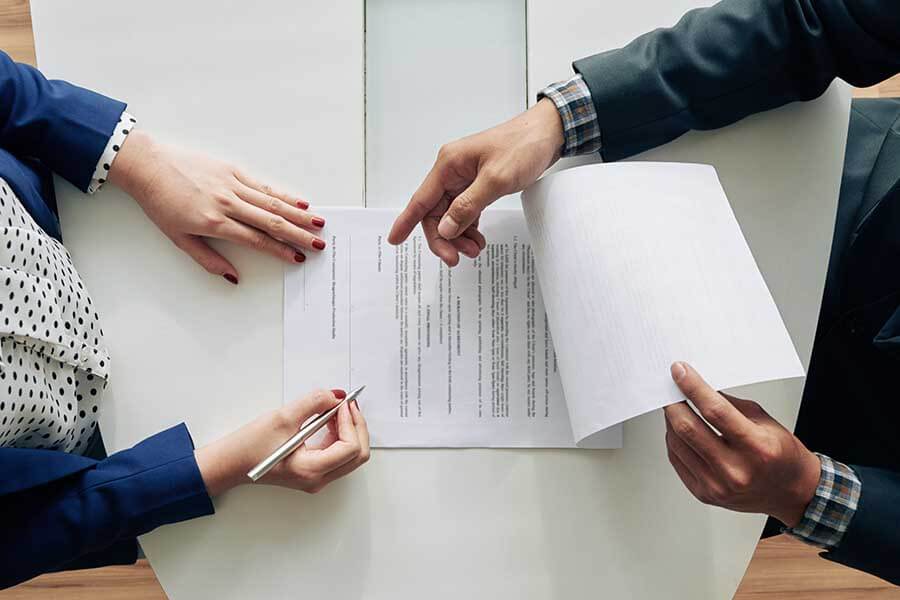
(101, 172)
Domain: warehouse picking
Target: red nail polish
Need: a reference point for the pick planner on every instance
(318, 221)
(231, 278)
(318, 244)
(298, 257)
(302, 204)
(339, 394)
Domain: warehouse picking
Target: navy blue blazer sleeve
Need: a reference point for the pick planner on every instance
(872, 541)
(739, 57)
(64, 126)
(56, 507)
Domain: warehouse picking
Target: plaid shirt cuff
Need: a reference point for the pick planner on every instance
(580, 124)
(831, 509)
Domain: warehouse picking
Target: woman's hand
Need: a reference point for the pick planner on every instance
(191, 197)
(345, 446)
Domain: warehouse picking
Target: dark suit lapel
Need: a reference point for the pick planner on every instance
(884, 178)
(866, 248)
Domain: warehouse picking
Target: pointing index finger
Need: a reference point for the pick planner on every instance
(422, 202)
(715, 408)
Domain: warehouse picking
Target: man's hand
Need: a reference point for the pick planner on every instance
(471, 173)
(754, 465)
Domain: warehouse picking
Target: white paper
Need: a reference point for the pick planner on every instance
(456, 357)
(645, 264)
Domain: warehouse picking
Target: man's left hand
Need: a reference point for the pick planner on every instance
(752, 464)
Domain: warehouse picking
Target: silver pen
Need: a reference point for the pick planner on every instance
(301, 436)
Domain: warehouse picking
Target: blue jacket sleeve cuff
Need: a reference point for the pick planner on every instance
(73, 149)
(163, 473)
(121, 497)
(62, 125)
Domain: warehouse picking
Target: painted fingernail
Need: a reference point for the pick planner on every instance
(448, 228)
(339, 394)
(678, 371)
(231, 278)
(318, 221)
(298, 257)
(302, 204)
(318, 244)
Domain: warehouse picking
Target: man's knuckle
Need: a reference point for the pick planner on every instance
(447, 152)
(422, 203)
(717, 412)
(684, 428)
(496, 178)
(767, 454)
(739, 480)
(691, 387)
(464, 205)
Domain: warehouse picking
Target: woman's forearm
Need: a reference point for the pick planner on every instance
(225, 462)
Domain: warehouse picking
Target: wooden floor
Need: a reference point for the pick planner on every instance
(781, 569)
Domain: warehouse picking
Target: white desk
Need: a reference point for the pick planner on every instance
(413, 523)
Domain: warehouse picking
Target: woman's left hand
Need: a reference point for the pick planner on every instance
(191, 197)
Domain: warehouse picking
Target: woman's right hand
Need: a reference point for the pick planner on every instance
(345, 446)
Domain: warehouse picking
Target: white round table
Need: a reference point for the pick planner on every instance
(413, 523)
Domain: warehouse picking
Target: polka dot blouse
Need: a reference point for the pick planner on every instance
(54, 365)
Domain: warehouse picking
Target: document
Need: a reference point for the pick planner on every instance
(640, 264)
(457, 357)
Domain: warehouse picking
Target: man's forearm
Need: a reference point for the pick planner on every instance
(739, 57)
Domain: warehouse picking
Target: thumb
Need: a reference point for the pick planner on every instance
(314, 403)
(466, 208)
(208, 258)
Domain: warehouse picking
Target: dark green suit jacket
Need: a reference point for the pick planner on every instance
(740, 57)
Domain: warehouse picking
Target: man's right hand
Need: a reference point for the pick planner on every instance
(471, 173)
